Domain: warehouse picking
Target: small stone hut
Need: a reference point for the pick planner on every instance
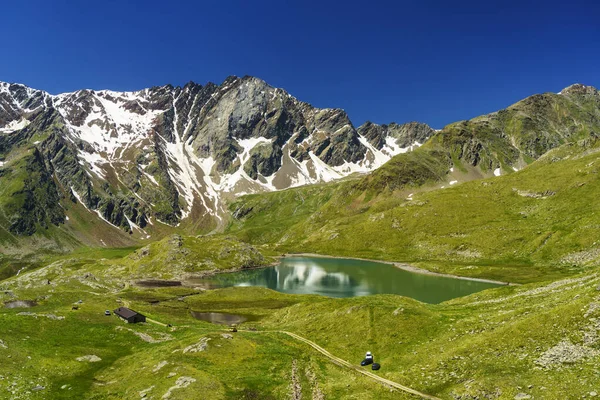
(129, 315)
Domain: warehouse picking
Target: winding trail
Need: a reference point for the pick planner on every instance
(153, 321)
(334, 359)
(344, 363)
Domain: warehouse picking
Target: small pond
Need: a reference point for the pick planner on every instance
(157, 283)
(221, 318)
(20, 304)
(338, 277)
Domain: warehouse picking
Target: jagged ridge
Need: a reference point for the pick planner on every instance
(171, 154)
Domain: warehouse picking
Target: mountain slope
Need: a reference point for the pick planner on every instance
(494, 144)
(516, 226)
(173, 155)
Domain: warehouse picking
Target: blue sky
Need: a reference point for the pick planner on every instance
(431, 61)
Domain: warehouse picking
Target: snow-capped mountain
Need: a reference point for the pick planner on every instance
(167, 154)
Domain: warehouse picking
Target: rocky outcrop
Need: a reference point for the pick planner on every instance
(403, 135)
(523, 132)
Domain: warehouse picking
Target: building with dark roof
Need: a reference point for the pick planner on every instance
(129, 315)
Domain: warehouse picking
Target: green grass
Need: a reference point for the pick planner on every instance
(428, 347)
(247, 366)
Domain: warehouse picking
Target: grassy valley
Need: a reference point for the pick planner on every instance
(539, 339)
(510, 196)
(534, 224)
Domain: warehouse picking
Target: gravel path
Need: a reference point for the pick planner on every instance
(346, 364)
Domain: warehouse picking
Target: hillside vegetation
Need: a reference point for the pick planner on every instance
(428, 207)
(538, 339)
(441, 207)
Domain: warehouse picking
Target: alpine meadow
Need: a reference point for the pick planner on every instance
(225, 239)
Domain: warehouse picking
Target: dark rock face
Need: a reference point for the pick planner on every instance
(404, 135)
(160, 152)
(334, 148)
(249, 108)
(264, 159)
(374, 133)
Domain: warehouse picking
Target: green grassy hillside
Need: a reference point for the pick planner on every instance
(538, 339)
(538, 223)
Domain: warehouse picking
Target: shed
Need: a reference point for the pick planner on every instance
(129, 315)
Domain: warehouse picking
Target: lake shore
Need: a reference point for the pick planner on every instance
(406, 267)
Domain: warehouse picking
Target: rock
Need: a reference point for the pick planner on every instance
(522, 396)
(144, 393)
(226, 336)
(159, 366)
(182, 382)
(38, 388)
(176, 241)
(565, 353)
(89, 358)
(398, 311)
(49, 316)
(295, 386)
(581, 257)
(403, 135)
(197, 347)
(161, 337)
(593, 394)
(265, 159)
(579, 89)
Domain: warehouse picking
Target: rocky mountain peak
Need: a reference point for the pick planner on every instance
(579, 89)
(396, 138)
(175, 154)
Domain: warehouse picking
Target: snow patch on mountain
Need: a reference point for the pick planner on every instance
(14, 126)
(323, 171)
(182, 139)
(108, 127)
(78, 197)
(248, 145)
(183, 171)
(95, 162)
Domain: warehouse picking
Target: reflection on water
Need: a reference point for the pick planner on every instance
(348, 278)
(305, 276)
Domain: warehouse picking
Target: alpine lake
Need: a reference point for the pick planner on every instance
(339, 277)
